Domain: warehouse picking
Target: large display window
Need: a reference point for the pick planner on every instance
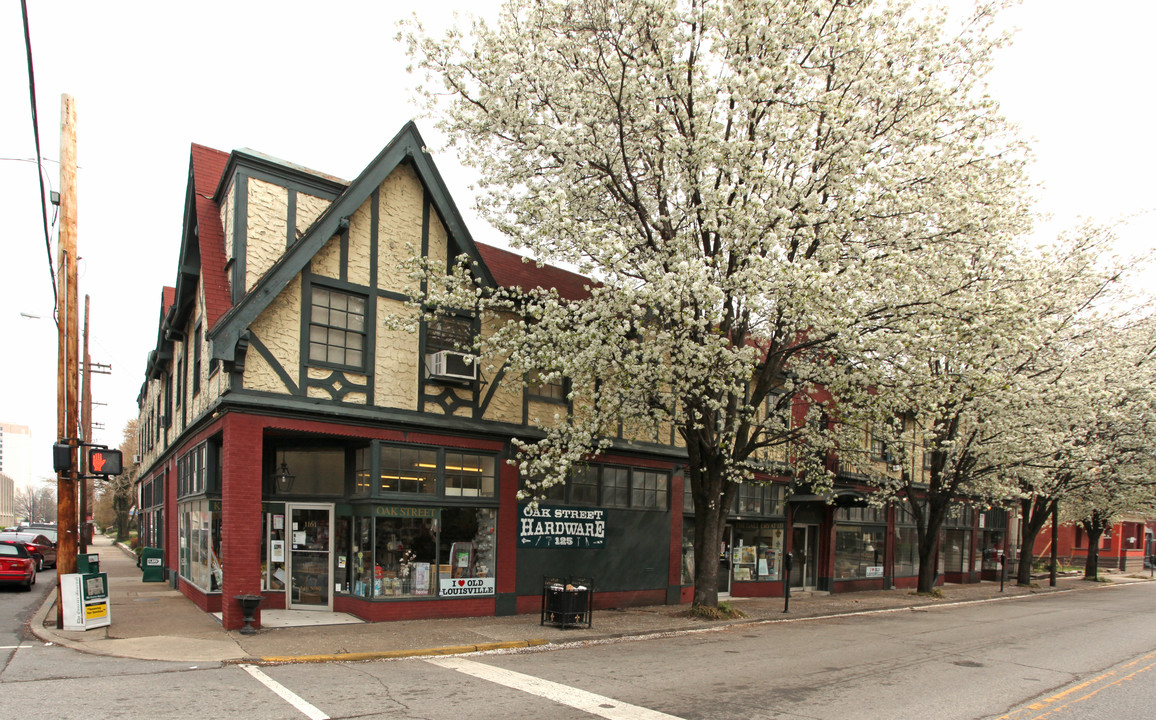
(200, 544)
(392, 552)
(757, 551)
(860, 547)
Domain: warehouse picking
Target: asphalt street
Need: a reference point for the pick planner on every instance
(1030, 657)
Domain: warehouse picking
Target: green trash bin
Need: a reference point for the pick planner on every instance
(87, 563)
(152, 564)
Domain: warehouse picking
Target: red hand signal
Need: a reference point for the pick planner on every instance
(97, 461)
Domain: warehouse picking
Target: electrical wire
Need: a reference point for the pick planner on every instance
(39, 160)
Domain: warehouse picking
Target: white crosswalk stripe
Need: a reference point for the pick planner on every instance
(579, 699)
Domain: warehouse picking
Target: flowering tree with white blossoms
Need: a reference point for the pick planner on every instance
(1091, 428)
(1003, 385)
(757, 186)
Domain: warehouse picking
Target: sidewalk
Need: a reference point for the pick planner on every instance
(151, 621)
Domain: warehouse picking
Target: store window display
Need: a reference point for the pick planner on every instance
(382, 557)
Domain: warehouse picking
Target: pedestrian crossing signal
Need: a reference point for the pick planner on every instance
(105, 462)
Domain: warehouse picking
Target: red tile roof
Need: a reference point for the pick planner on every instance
(208, 165)
(512, 271)
(168, 297)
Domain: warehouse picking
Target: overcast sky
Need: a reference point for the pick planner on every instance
(324, 85)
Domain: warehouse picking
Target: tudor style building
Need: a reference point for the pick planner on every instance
(294, 444)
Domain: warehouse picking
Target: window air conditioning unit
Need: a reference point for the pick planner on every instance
(136, 459)
(451, 365)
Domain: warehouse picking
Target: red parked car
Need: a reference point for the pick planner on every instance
(16, 564)
(39, 547)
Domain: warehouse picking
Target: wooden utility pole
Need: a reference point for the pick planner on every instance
(67, 361)
(85, 435)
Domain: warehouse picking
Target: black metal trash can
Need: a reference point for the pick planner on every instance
(567, 602)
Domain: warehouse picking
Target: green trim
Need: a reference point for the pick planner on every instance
(291, 219)
(278, 174)
(240, 238)
(343, 255)
(371, 315)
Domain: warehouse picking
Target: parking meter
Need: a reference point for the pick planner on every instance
(1002, 570)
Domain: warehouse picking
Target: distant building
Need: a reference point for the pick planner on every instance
(7, 501)
(16, 453)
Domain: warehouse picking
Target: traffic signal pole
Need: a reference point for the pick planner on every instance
(67, 351)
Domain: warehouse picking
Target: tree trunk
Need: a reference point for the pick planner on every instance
(928, 565)
(709, 528)
(1035, 512)
(928, 522)
(1095, 528)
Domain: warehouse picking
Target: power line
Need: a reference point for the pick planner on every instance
(39, 160)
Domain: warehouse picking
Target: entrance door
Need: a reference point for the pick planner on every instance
(804, 556)
(310, 548)
(724, 563)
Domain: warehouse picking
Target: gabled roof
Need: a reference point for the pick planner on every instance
(516, 271)
(406, 146)
(207, 166)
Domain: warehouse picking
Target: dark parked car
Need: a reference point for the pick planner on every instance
(16, 564)
(39, 546)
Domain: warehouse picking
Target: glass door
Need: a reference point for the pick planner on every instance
(804, 555)
(310, 548)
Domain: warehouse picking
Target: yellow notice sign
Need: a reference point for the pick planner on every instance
(95, 611)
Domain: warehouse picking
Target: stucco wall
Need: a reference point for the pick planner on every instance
(357, 269)
(228, 215)
(399, 224)
(266, 231)
(279, 329)
(309, 208)
(327, 261)
(397, 359)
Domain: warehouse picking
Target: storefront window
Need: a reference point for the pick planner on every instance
(859, 552)
(906, 552)
(200, 544)
(991, 545)
(955, 551)
(394, 554)
(688, 551)
(273, 549)
(758, 551)
(466, 548)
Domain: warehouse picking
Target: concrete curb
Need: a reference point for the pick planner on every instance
(394, 654)
(36, 624)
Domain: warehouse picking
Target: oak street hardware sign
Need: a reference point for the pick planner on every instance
(561, 526)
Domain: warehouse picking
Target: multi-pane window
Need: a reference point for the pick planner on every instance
(361, 472)
(469, 475)
(878, 448)
(648, 489)
(417, 470)
(191, 471)
(197, 360)
(337, 327)
(408, 470)
(539, 389)
(615, 487)
(584, 485)
(449, 333)
(610, 486)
